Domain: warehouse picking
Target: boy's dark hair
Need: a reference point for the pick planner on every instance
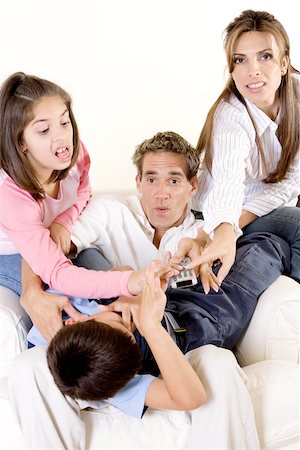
(167, 141)
(92, 360)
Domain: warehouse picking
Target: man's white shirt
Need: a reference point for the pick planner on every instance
(119, 228)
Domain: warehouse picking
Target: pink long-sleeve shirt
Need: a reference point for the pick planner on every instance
(24, 229)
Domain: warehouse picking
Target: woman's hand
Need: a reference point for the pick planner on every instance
(222, 247)
(61, 236)
(208, 278)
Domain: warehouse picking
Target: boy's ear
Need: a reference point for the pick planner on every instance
(71, 321)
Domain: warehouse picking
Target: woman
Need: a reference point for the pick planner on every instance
(250, 141)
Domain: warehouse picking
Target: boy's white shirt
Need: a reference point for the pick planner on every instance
(119, 228)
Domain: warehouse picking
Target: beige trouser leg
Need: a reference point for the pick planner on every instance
(47, 419)
(227, 419)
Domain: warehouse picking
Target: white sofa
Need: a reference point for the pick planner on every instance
(268, 352)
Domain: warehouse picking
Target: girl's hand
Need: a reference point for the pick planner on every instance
(61, 236)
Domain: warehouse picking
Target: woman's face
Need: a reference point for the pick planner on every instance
(258, 69)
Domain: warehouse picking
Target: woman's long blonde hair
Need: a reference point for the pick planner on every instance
(288, 131)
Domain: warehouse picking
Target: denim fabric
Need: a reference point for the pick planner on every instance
(10, 267)
(92, 259)
(285, 223)
(220, 318)
(10, 272)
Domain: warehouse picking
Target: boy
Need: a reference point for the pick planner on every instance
(95, 359)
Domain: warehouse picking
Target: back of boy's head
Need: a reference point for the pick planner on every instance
(92, 361)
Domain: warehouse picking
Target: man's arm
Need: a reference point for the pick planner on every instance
(43, 308)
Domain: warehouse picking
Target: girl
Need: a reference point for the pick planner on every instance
(44, 186)
(251, 138)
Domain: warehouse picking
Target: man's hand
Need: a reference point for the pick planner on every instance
(61, 236)
(45, 310)
(223, 247)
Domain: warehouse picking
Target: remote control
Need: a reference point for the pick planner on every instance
(186, 277)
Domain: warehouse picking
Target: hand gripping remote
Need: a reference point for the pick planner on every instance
(186, 277)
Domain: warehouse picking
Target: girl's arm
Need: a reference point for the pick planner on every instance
(180, 387)
(21, 220)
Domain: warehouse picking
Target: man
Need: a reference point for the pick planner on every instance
(134, 231)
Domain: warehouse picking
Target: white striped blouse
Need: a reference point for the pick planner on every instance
(236, 181)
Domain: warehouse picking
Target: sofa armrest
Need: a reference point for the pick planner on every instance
(273, 332)
(14, 326)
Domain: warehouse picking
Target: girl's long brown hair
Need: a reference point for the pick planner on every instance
(18, 95)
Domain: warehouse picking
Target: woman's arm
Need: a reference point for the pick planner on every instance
(275, 195)
(246, 218)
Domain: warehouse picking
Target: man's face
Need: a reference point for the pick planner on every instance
(165, 189)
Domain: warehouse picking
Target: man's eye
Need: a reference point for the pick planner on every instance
(173, 181)
(151, 180)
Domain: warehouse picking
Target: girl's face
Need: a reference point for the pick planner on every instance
(48, 138)
(258, 68)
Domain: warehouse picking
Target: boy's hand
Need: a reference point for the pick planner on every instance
(136, 281)
(148, 314)
(61, 236)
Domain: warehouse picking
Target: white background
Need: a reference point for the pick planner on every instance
(133, 67)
